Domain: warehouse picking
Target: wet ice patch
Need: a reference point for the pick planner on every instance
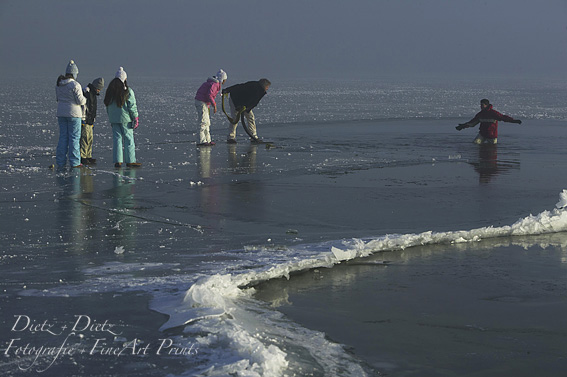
(21, 169)
(123, 268)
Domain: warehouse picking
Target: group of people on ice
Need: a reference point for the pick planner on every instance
(76, 113)
(243, 98)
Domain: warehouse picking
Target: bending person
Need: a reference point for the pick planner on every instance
(204, 99)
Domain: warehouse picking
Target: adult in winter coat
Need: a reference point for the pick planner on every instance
(91, 93)
(70, 102)
(204, 99)
(246, 96)
(488, 119)
(122, 113)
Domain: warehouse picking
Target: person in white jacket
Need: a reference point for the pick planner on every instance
(70, 107)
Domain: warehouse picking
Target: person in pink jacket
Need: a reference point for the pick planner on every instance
(204, 99)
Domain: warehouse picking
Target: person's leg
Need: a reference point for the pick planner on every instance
(129, 145)
(75, 141)
(86, 140)
(204, 120)
(63, 143)
(479, 139)
(251, 123)
(208, 127)
(232, 127)
(84, 143)
(117, 155)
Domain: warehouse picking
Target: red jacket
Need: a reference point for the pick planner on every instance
(488, 119)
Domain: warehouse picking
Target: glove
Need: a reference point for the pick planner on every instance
(136, 123)
(461, 126)
(517, 121)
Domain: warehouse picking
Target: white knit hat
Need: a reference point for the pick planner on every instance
(121, 74)
(72, 69)
(221, 75)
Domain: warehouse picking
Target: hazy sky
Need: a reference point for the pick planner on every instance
(285, 38)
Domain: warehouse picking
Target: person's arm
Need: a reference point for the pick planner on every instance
(78, 94)
(215, 88)
(131, 105)
(506, 118)
(471, 123)
(132, 108)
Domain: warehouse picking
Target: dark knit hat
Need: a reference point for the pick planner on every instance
(98, 83)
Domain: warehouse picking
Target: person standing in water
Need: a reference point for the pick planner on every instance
(204, 99)
(488, 119)
(70, 102)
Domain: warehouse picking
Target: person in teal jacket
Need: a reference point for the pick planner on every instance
(122, 112)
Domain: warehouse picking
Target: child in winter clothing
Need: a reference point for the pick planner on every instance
(70, 102)
(203, 100)
(488, 119)
(91, 93)
(246, 96)
(123, 116)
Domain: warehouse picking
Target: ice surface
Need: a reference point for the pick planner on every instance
(358, 169)
(562, 200)
(224, 293)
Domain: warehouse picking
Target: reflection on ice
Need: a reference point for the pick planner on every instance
(488, 165)
(223, 219)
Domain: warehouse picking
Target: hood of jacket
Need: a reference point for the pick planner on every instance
(64, 82)
(70, 98)
(92, 89)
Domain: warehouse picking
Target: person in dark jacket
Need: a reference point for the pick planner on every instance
(91, 93)
(247, 96)
(488, 119)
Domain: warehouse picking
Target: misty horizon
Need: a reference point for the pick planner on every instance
(293, 39)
